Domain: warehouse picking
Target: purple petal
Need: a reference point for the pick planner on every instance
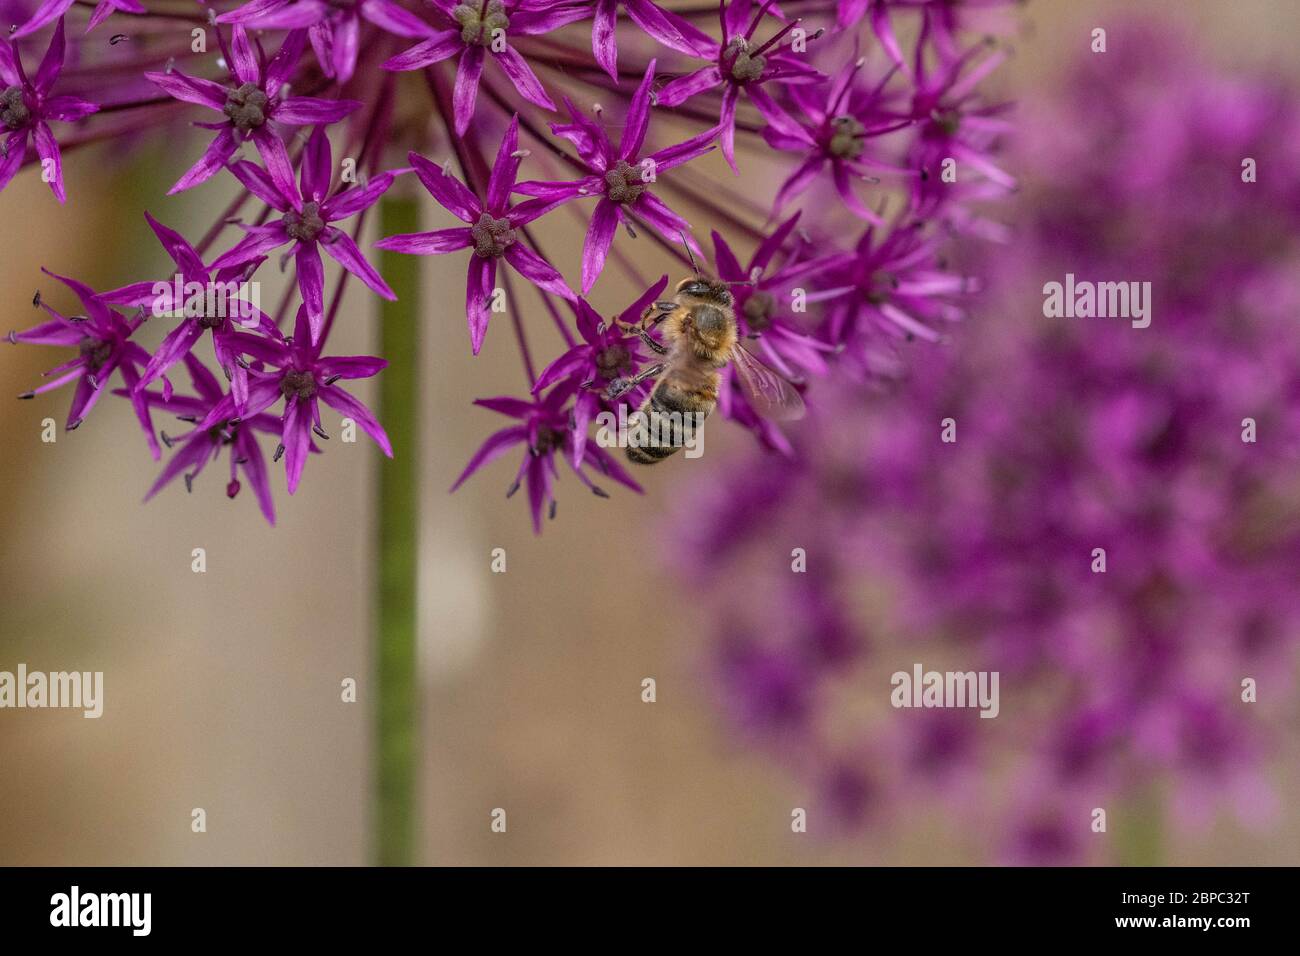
(45, 13)
(434, 50)
(276, 158)
(672, 30)
(684, 87)
(352, 201)
(316, 171)
(351, 366)
(466, 91)
(258, 241)
(68, 109)
(244, 59)
(194, 452)
(311, 282)
(685, 151)
(182, 252)
(538, 271)
(306, 110)
(256, 181)
(48, 150)
(478, 293)
(190, 89)
(338, 245)
(798, 181)
(638, 117)
(255, 470)
(296, 439)
(347, 38)
(728, 125)
(496, 445)
(523, 77)
(428, 243)
(173, 348)
(339, 400)
(285, 63)
(446, 188)
(505, 169)
(604, 38)
(394, 19)
(213, 159)
(604, 223)
(52, 62)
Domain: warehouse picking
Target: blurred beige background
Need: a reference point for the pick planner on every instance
(222, 689)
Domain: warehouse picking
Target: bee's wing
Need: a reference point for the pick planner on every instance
(767, 390)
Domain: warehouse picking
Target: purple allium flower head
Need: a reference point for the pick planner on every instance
(1114, 529)
(25, 107)
(492, 232)
(608, 352)
(102, 338)
(51, 10)
(740, 62)
(333, 26)
(300, 376)
(622, 178)
(255, 108)
(545, 431)
(476, 31)
(199, 445)
(200, 312)
(309, 208)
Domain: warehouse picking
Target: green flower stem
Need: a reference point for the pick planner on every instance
(397, 711)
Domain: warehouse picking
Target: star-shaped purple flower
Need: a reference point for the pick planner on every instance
(102, 338)
(621, 180)
(334, 26)
(219, 312)
(26, 105)
(308, 210)
(607, 352)
(492, 235)
(254, 108)
(301, 377)
(545, 431)
(740, 63)
(839, 123)
(51, 10)
(199, 445)
(474, 30)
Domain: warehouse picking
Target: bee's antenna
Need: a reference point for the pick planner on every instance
(688, 252)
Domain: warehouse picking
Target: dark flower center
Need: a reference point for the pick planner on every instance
(299, 385)
(491, 236)
(13, 108)
(947, 121)
(623, 183)
(613, 358)
(223, 434)
(246, 107)
(304, 226)
(547, 439)
(847, 138)
(741, 65)
(880, 287)
(95, 353)
(479, 22)
(758, 309)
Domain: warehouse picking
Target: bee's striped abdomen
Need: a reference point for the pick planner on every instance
(672, 418)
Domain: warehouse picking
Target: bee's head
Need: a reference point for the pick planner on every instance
(710, 290)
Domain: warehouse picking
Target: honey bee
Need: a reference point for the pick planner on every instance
(700, 337)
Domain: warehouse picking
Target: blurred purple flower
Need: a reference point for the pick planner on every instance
(51, 10)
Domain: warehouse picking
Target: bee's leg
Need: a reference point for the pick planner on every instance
(660, 311)
(650, 340)
(621, 386)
